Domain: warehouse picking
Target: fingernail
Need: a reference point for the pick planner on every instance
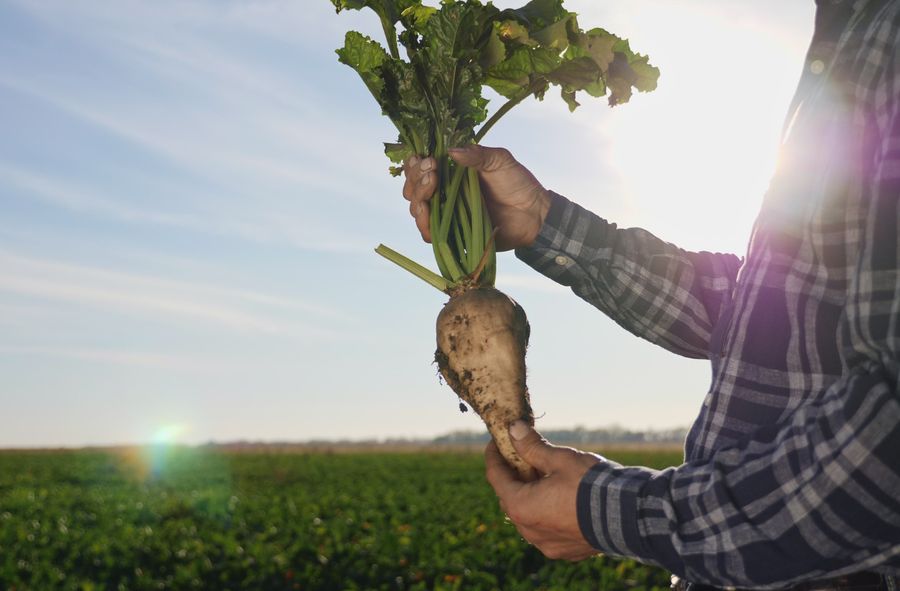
(426, 165)
(418, 208)
(519, 430)
(414, 161)
(426, 180)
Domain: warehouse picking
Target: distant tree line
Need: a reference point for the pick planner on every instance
(579, 435)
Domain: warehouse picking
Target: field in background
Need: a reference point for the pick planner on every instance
(176, 518)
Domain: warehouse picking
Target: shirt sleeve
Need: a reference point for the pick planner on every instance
(814, 497)
(653, 289)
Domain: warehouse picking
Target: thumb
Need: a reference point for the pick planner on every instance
(481, 157)
(533, 448)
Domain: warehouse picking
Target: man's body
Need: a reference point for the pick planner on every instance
(792, 469)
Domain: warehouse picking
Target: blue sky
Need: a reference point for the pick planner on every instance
(190, 192)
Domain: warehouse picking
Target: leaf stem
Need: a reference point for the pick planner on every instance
(503, 110)
(390, 34)
(455, 272)
(476, 274)
(475, 239)
(415, 268)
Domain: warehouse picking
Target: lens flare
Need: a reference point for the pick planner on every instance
(159, 452)
(168, 434)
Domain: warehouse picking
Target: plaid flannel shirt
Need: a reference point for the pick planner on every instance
(793, 466)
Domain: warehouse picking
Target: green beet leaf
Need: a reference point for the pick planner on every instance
(366, 57)
(434, 95)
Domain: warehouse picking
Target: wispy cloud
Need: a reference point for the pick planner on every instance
(535, 283)
(71, 196)
(216, 105)
(289, 21)
(120, 357)
(146, 295)
(255, 225)
(200, 140)
(266, 150)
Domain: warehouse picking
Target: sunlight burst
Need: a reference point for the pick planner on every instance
(695, 158)
(168, 435)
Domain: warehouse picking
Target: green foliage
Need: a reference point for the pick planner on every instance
(191, 519)
(435, 96)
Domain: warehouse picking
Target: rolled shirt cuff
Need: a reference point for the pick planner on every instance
(562, 241)
(609, 507)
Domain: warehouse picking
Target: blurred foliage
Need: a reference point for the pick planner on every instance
(170, 518)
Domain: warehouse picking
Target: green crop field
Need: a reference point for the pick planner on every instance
(196, 519)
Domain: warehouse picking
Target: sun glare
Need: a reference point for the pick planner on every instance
(695, 157)
(162, 445)
(168, 435)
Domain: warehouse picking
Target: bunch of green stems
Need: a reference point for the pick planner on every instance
(461, 231)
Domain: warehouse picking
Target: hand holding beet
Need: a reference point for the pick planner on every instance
(543, 510)
(516, 201)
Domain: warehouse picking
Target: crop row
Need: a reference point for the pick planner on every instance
(194, 519)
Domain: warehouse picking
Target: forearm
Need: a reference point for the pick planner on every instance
(655, 290)
(817, 497)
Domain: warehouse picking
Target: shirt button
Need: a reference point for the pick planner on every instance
(817, 67)
(562, 261)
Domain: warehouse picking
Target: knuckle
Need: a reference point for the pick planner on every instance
(499, 157)
(527, 448)
(424, 193)
(422, 225)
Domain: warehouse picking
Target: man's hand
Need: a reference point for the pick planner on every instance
(543, 510)
(515, 199)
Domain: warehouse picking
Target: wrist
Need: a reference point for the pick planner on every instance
(540, 210)
(543, 206)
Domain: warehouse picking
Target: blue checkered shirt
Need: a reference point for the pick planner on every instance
(793, 466)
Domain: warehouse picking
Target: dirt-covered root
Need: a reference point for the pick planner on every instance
(482, 335)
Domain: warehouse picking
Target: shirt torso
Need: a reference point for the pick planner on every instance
(778, 344)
